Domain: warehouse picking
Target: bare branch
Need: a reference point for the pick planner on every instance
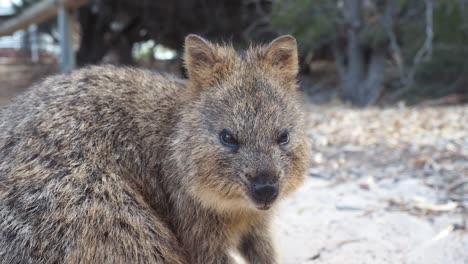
(425, 53)
(389, 21)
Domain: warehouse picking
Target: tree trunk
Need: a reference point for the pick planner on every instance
(361, 67)
(92, 44)
(124, 49)
(372, 86)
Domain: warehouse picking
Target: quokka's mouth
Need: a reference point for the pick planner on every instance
(263, 206)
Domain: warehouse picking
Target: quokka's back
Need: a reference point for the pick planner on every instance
(71, 165)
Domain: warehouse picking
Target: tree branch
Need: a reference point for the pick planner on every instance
(425, 52)
(389, 20)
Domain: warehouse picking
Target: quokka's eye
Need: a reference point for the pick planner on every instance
(228, 140)
(284, 138)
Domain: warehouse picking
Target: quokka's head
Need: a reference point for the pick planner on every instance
(241, 140)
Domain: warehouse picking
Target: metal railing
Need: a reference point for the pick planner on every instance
(42, 11)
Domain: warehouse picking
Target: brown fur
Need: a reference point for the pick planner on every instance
(118, 165)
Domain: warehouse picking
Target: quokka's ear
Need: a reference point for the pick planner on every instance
(281, 56)
(202, 61)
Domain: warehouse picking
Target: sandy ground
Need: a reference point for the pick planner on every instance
(385, 186)
(345, 224)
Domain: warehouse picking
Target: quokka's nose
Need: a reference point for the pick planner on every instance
(265, 192)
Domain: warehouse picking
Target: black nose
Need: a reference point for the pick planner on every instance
(265, 192)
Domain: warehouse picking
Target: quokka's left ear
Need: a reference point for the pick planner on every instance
(281, 56)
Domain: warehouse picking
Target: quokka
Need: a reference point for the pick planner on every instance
(122, 165)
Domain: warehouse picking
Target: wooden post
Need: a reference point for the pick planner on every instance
(65, 24)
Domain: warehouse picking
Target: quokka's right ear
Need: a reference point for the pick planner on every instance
(281, 56)
(203, 62)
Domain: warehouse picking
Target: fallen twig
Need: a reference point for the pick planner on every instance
(456, 185)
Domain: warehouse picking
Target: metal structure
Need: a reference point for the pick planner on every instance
(42, 11)
(65, 24)
(33, 31)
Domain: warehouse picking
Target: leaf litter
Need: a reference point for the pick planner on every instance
(393, 181)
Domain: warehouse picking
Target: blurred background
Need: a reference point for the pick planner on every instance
(364, 52)
(386, 83)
